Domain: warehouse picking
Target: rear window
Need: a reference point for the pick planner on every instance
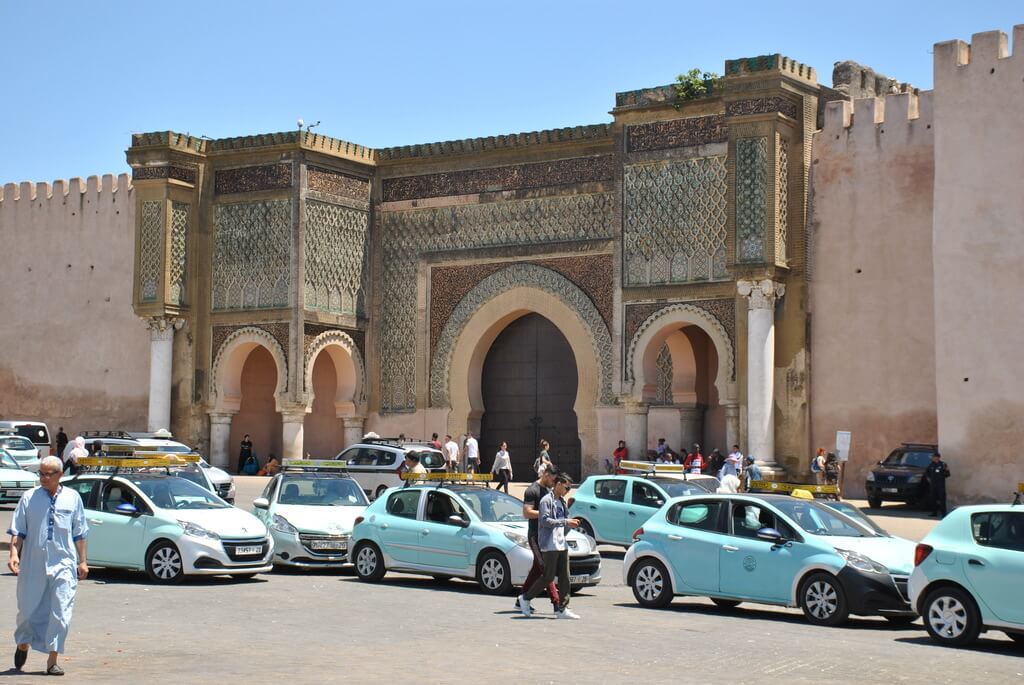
(429, 460)
(1002, 529)
(37, 434)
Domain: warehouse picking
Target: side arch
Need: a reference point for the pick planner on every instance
(348, 365)
(226, 379)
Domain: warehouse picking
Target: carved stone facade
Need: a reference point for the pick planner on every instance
(664, 392)
(151, 250)
(252, 255)
(179, 252)
(337, 257)
(781, 199)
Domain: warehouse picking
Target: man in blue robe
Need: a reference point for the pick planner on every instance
(48, 535)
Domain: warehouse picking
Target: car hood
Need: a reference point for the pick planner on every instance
(22, 455)
(18, 476)
(583, 544)
(229, 522)
(320, 520)
(896, 554)
(218, 476)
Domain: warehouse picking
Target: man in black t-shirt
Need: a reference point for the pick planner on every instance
(531, 510)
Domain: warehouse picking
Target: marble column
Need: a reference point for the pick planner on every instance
(761, 297)
(691, 424)
(353, 429)
(220, 440)
(636, 429)
(161, 357)
(732, 425)
(292, 419)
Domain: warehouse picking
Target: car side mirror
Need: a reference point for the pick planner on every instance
(126, 509)
(771, 535)
(456, 520)
(261, 503)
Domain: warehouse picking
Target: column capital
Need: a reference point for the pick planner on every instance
(636, 407)
(352, 421)
(761, 294)
(293, 412)
(162, 328)
(221, 416)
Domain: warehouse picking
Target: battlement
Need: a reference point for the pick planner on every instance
(93, 188)
(983, 52)
(471, 145)
(773, 62)
(858, 81)
(647, 97)
(869, 113)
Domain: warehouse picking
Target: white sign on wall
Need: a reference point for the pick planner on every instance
(843, 445)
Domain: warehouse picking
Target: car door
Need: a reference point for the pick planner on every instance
(754, 568)
(400, 529)
(117, 539)
(694, 535)
(645, 498)
(443, 544)
(607, 511)
(995, 567)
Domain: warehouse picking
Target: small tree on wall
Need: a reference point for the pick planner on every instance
(695, 84)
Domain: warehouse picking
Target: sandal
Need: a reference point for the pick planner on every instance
(55, 670)
(20, 655)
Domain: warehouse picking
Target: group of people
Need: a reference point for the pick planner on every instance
(825, 467)
(727, 468)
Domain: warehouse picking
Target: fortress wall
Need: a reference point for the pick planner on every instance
(72, 352)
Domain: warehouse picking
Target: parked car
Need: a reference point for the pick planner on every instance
(36, 431)
(14, 480)
(769, 549)
(458, 530)
(900, 476)
(375, 463)
(21, 448)
(968, 574)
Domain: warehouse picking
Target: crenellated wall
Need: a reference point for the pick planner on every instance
(978, 227)
(72, 352)
(872, 321)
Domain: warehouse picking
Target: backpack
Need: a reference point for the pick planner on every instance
(815, 467)
(251, 466)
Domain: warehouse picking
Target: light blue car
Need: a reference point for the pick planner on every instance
(457, 530)
(969, 574)
(769, 549)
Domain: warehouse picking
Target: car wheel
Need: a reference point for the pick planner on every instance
(369, 563)
(823, 600)
(164, 563)
(651, 584)
(494, 574)
(380, 491)
(875, 502)
(951, 616)
(725, 603)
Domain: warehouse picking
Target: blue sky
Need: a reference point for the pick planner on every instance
(80, 77)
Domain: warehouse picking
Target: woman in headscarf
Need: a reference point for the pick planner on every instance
(77, 452)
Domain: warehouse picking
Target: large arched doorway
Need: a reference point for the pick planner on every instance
(529, 385)
(323, 432)
(257, 413)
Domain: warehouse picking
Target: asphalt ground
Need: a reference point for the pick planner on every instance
(329, 626)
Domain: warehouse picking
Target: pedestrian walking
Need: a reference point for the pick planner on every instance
(502, 468)
(48, 533)
(451, 454)
(818, 466)
(543, 461)
(472, 450)
(553, 522)
(531, 512)
(751, 472)
(936, 475)
(62, 441)
(78, 451)
(244, 453)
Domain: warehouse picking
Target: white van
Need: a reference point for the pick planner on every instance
(35, 431)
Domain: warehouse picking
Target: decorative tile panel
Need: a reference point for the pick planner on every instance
(252, 178)
(662, 135)
(178, 173)
(336, 249)
(675, 221)
(782, 200)
(252, 254)
(751, 198)
(664, 363)
(179, 252)
(151, 250)
(407, 234)
(521, 176)
(337, 183)
(763, 106)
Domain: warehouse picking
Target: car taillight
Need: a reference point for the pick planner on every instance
(637, 533)
(359, 519)
(921, 553)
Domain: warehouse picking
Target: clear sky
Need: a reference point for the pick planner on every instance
(80, 77)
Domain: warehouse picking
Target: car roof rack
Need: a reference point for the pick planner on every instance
(314, 465)
(446, 478)
(920, 445)
(119, 435)
(773, 487)
(140, 459)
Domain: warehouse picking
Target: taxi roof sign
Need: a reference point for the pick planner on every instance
(304, 464)
(649, 466)
(409, 476)
(148, 461)
(775, 486)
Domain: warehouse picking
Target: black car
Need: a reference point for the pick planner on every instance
(900, 476)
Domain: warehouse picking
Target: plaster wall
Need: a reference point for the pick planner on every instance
(978, 224)
(72, 351)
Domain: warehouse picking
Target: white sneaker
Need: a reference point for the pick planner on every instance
(566, 613)
(529, 604)
(524, 606)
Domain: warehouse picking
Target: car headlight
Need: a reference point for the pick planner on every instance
(916, 478)
(518, 539)
(870, 476)
(860, 562)
(197, 531)
(281, 525)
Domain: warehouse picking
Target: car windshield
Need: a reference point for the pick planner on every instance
(818, 519)
(7, 461)
(490, 505)
(903, 458)
(178, 493)
(313, 491)
(16, 442)
(678, 488)
(193, 476)
(857, 515)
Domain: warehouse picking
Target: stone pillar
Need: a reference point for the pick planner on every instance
(161, 356)
(636, 429)
(691, 423)
(353, 429)
(292, 419)
(732, 425)
(220, 440)
(761, 297)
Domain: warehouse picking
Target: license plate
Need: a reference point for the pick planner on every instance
(328, 544)
(251, 549)
(889, 490)
(579, 580)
